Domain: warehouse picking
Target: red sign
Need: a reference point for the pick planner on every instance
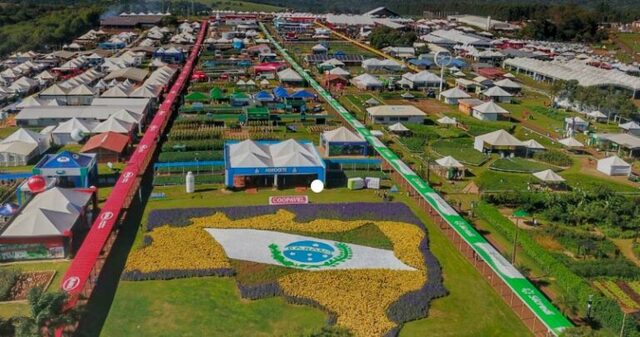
(289, 200)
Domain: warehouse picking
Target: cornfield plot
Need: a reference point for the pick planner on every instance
(625, 293)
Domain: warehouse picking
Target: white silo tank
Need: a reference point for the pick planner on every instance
(190, 182)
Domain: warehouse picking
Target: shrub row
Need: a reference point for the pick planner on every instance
(8, 278)
(180, 179)
(193, 145)
(168, 157)
(554, 157)
(169, 274)
(572, 287)
(200, 133)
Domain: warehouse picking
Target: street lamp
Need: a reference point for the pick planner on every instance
(518, 214)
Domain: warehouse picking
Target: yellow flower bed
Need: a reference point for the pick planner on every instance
(359, 298)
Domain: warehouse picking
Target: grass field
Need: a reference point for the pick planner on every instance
(21, 309)
(207, 306)
(241, 5)
(138, 306)
(502, 181)
(519, 165)
(460, 149)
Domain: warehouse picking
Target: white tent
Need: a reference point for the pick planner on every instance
(571, 143)
(22, 146)
(289, 76)
(548, 176)
(508, 84)
(339, 71)
(614, 166)
(452, 95)
(448, 162)
(447, 121)
(62, 133)
(341, 134)
(532, 144)
(498, 94)
(499, 139)
(113, 124)
(50, 213)
(489, 111)
(366, 82)
(398, 128)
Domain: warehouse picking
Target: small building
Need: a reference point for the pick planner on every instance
(450, 168)
(48, 224)
(466, 105)
(489, 111)
(423, 79)
(571, 143)
(619, 142)
(108, 147)
(399, 129)
(400, 52)
(497, 94)
(343, 142)
(391, 114)
(319, 49)
(453, 95)
(497, 141)
(614, 166)
(549, 178)
(70, 169)
(331, 80)
(261, 163)
(533, 146)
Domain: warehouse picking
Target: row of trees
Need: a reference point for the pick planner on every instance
(383, 36)
(608, 100)
(601, 208)
(565, 23)
(47, 314)
(50, 30)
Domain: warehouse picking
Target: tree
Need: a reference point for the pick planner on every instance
(47, 314)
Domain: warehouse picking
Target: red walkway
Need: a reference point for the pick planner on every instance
(85, 267)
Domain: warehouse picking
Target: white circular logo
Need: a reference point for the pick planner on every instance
(63, 159)
(106, 215)
(70, 283)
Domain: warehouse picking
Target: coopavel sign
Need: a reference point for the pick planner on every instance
(288, 200)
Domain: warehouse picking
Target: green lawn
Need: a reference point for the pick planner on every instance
(20, 309)
(460, 149)
(520, 165)
(207, 306)
(501, 181)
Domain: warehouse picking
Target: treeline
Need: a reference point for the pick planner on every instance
(511, 10)
(607, 100)
(600, 208)
(565, 23)
(49, 30)
(383, 36)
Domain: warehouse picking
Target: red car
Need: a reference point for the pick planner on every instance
(199, 76)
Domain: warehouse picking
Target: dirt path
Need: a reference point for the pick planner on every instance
(625, 246)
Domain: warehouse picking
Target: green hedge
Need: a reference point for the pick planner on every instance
(8, 278)
(193, 145)
(554, 157)
(179, 179)
(574, 289)
(165, 157)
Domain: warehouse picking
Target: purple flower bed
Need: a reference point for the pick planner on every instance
(342, 211)
(410, 306)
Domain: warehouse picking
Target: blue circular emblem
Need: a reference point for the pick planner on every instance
(308, 251)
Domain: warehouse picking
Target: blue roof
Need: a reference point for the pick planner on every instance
(421, 62)
(66, 159)
(281, 92)
(264, 96)
(303, 94)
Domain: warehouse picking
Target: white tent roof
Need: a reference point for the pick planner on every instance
(127, 116)
(367, 79)
(339, 71)
(54, 90)
(500, 138)
(490, 107)
(49, 213)
(398, 127)
(24, 135)
(73, 124)
(341, 134)
(81, 90)
(496, 92)
(548, 176)
(613, 161)
(447, 120)
(288, 153)
(289, 75)
(597, 114)
(113, 124)
(454, 93)
(116, 91)
(449, 161)
(507, 83)
(570, 142)
(17, 147)
(533, 144)
(630, 126)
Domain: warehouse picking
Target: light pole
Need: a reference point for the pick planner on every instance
(442, 59)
